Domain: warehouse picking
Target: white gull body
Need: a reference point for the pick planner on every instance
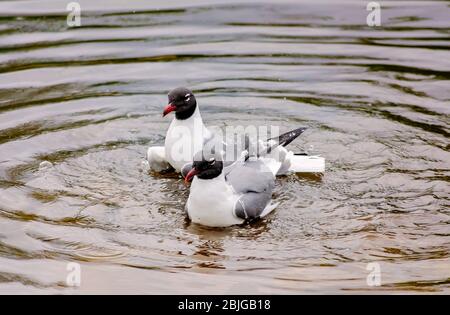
(186, 137)
(211, 202)
(242, 191)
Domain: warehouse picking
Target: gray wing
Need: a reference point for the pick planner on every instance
(255, 183)
(215, 144)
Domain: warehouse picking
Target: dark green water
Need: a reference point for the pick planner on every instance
(89, 100)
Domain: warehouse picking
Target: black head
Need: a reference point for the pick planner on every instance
(182, 101)
(205, 166)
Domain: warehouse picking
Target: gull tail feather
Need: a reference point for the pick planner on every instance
(269, 208)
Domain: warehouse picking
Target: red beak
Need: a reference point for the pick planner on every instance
(190, 175)
(169, 108)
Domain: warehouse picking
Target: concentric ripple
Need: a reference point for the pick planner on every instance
(79, 107)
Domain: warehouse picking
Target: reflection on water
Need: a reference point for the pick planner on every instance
(79, 107)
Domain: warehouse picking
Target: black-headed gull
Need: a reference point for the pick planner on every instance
(187, 135)
(224, 196)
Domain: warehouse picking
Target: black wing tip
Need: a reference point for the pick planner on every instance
(290, 136)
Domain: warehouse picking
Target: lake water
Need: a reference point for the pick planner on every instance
(80, 105)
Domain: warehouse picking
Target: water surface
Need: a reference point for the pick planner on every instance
(89, 99)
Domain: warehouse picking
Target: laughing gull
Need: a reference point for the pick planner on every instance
(187, 135)
(224, 196)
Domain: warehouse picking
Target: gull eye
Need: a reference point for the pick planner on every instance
(187, 97)
(211, 161)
